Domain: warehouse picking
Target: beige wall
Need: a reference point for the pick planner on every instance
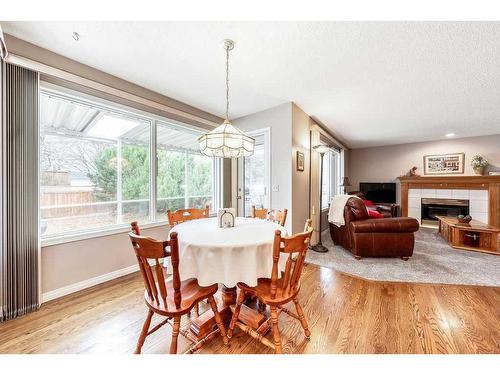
(300, 179)
(385, 164)
(73, 262)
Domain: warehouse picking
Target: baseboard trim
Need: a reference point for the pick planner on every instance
(64, 291)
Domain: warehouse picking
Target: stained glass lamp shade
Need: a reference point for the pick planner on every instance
(226, 141)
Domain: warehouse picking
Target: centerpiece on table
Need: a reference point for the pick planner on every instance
(225, 217)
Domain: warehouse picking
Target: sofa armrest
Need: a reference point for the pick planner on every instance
(388, 225)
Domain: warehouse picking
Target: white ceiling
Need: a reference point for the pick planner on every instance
(371, 83)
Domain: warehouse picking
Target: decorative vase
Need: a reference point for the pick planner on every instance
(479, 170)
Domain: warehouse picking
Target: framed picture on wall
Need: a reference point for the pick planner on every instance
(444, 164)
(300, 161)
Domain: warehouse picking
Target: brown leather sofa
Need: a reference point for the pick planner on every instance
(365, 237)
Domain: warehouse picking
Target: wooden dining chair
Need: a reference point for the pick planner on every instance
(186, 214)
(274, 215)
(171, 299)
(259, 213)
(277, 216)
(279, 289)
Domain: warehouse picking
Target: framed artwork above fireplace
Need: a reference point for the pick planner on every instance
(444, 164)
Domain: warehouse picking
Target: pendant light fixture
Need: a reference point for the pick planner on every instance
(226, 141)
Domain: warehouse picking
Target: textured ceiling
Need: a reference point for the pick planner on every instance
(371, 83)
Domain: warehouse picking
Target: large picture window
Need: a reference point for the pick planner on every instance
(185, 177)
(97, 167)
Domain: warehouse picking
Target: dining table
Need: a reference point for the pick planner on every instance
(226, 256)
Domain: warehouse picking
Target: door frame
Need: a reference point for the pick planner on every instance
(238, 168)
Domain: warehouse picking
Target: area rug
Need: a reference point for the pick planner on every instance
(433, 261)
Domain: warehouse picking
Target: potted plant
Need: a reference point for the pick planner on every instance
(478, 164)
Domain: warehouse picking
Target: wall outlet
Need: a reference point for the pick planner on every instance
(276, 188)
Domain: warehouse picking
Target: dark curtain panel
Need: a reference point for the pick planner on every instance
(19, 239)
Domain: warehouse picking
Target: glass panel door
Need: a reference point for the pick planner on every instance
(253, 176)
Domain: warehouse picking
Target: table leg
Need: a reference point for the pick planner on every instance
(228, 296)
(225, 297)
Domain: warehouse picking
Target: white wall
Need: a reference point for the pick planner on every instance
(385, 164)
(279, 120)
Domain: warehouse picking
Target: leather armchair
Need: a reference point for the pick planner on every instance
(365, 237)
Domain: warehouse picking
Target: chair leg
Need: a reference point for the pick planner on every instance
(144, 332)
(261, 307)
(197, 309)
(218, 319)
(302, 318)
(236, 313)
(276, 331)
(175, 334)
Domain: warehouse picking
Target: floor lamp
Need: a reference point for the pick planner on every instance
(321, 149)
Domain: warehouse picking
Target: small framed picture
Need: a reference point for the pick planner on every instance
(444, 164)
(300, 161)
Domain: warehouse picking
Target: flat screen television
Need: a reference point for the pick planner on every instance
(379, 192)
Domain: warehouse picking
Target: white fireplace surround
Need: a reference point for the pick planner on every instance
(478, 201)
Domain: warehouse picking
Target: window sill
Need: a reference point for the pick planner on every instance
(51, 241)
(74, 237)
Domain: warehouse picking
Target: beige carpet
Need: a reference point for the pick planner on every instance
(433, 261)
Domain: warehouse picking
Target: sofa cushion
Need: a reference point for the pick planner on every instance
(375, 214)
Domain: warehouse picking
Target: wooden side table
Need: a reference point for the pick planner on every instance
(474, 236)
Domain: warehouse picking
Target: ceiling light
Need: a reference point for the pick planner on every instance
(449, 135)
(227, 141)
(76, 36)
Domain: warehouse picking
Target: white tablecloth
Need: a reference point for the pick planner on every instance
(226, 255)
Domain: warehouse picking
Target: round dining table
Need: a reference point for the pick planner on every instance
(226, 256)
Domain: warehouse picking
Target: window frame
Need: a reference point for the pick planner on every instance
(334, 157)
(153, 120)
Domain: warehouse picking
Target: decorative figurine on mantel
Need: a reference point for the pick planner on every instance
(225, 217)
(412, 172)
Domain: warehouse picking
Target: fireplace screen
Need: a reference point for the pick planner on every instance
(443, 207)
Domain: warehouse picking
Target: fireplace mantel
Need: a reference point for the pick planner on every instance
(489, 183)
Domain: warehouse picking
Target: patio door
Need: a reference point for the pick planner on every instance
(254, 175)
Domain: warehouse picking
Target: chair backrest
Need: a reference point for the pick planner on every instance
(186, 214)
(148, 249)
(296, 247)
(273, 215)
(259, 213)
(277, 216)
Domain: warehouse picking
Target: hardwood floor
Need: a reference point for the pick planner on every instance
(345, 314)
